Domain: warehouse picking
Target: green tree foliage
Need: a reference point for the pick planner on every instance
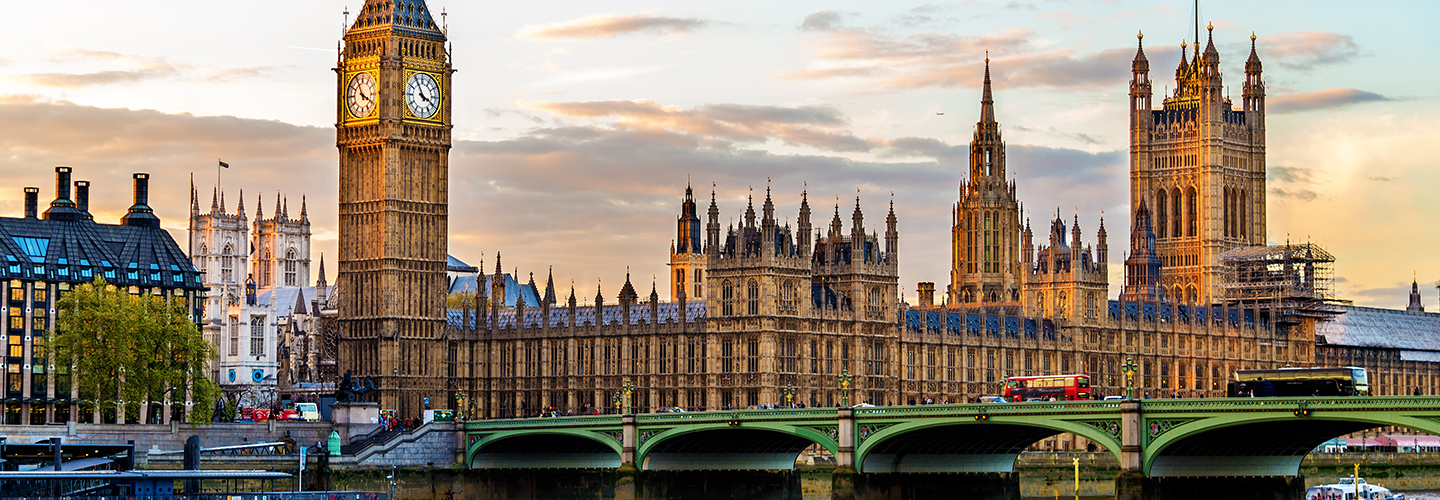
(132, 348)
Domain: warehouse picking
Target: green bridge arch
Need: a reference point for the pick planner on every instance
(546, 448)
(1006, 436)
(1262, 437)
(722, 446)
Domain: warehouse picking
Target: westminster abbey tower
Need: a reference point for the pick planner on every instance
(393, 132)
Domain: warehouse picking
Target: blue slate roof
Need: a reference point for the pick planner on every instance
(639, 314)
(958, 323)
(284, 299)
(454, 264)
(1416, 334)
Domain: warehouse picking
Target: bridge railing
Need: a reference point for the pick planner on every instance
(1290, 403)
(726, 415)
(576, 421)
(1037, 407)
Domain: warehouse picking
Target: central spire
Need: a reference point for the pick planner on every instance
(987, 100)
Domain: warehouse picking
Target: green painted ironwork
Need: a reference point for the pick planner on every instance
(1164, 423)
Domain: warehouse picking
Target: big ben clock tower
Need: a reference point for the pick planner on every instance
(393, 132)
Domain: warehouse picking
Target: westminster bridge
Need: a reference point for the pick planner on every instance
(1165, 448)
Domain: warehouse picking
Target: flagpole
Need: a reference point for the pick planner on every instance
(217, 174)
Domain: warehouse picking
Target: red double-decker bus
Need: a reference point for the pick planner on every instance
(1059, 387)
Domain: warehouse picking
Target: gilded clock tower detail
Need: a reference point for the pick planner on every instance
(393, 132)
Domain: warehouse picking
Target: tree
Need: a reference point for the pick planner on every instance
(126, 349)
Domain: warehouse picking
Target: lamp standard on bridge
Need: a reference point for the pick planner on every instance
(1129, 368)
(616, 401)
(789, 393)
(844, 379)
(628, 388)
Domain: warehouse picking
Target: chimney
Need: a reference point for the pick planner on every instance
(32, 200)
(140, 214)
(62, 209)
(82, 199)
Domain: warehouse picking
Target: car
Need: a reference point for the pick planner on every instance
(309, 412)
(992, 399)
(1113, 398)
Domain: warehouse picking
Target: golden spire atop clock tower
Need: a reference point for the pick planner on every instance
(393, 132)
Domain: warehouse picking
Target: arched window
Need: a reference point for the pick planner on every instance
(201, 259)
(1244, 219)
(1061, 304)
(1090, 307)
(290, 265)
(1191, 295)
(1040, 304)
(227, 264)
(1190, 216)
(257, 336)
(1175, 212)
(680, 278)
(1160, 214)
(876, 308)
(752, 297)
(265, 269)
(699, 283)
(788, 297)
(727, 299)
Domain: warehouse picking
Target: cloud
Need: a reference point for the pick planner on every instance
(1299, 175)
(134, 69)
(825, 20)
(1307, 50)
(611, 26)
(1320, 99)
(719, 124)
(1294, 194)
(878, 61)
(1074, 136)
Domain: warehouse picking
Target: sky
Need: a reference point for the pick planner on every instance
(578, 124)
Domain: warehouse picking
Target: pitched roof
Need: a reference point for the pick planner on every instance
(77, 251)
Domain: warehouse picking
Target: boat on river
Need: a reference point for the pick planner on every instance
(1347, 489)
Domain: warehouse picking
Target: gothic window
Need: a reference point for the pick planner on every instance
(1190, 228)
(227, 264)
(876, 310)
(265, 269)
(1061, 305)
(290, 264)
(752, 354)
(1243, 211)
(200, 263)
(1175, 212)
(727, 299)
(699, 284)
(1040, 304)
(1160, 216)
(752, 297)
(234, 335)
(680, 278)
(1191, 295)
(257, 336)
(788, 297)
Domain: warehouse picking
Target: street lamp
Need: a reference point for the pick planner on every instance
(628, 388)
(616, 400)
(789, 393)
(844, 379)
(1129, 368)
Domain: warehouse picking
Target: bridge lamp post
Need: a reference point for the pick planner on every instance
(844, 379)
(616, 401)
(1129, 368)
(789, 393)
(628, 388)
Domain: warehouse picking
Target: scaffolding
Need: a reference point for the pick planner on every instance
(1293, 281)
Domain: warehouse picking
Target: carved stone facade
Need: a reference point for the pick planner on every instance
(1199, 165)
(393, 134)
(985, 262)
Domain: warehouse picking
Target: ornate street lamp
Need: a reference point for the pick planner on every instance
(1129, 368)
(789, 393)
(628, 388)
(616, 400)
(844, 379)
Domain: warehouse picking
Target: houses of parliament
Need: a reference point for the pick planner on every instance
(765, 313)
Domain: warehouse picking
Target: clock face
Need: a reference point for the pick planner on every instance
(422, 94)
(361, 95)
